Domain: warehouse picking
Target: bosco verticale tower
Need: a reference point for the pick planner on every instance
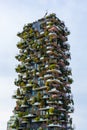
(43, 95)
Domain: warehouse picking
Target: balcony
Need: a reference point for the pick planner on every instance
(30, 116)
(19, 97)
(54, 81)
(31, 99)
(29, 85)
(45, 96)
(67, 32)
(48, 76)
(52, 52)
(63, 38)
(49, 47)
(54, 90)
(41, 34)
(24, 106)
(56, 125)
(51, 102)
(54, 71)
(54, 29)
(22, 45)
(40, 120)
(48, 80)
(36, 104)
(52, 35)
(49, 52)
(20, 69)
(54, 44)
(51, 16)
(40, 88)
(48, 26)
(46, 66)
(42, 58)
(45, 108)
(62, 109)
(71, 110)
(24, 122)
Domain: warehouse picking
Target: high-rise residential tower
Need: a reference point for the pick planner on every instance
(43, 96)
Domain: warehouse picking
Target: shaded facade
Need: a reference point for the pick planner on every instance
(43, 96)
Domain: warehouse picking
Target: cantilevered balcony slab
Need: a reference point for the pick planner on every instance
(19, 97)
(30, 100)
(54, 81)
(40, 88)
(30, 116)
(54, 70)
(48, 76)
(49, 47)
(45, 97)
(54, 90)
(29, 85)
(40, 120)
(56, 125)
(52, 102)
(54, 28)
(24, 106)
(36, 104)
(24, 122)
(52, 34)
(45, 108)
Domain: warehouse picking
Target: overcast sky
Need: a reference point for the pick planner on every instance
(14, 14)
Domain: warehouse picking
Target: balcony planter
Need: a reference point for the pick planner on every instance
(15, 124)
(51, 110)
(14, 96)
(47, 88)
(20, 69)
(34, 100)
(18, 92)
(37, 119)
(21, 114)
(40, 128)
(25, 102)
(70, 80)
(53, 28)
(53, 15)
(52, 66)
(42, 103)
(22, 45)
